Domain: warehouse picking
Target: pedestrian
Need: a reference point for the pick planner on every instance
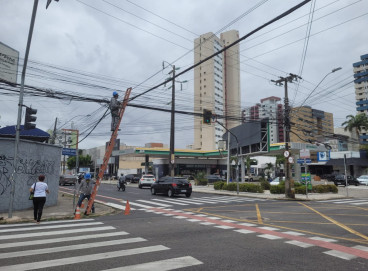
(39, 189)
(115, 106)
(85, 190)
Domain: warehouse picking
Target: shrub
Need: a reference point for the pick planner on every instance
(300, 189)
(200, 179)
(277, 189)
(230, 187)
(297, 184)
(265, 185)
(250, 187)
(324, 188)
(218, 185)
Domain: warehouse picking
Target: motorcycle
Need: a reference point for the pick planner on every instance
(121, 185)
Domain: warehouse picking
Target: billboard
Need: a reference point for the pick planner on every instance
(8, 64)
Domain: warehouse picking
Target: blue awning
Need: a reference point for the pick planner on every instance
(32, 134)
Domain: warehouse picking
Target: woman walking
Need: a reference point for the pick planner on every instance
(40, 189)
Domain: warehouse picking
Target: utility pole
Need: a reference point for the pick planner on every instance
(20, 105)
(289, 183)
(172, 127)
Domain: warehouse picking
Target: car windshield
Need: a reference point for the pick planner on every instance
(176, 180)
(148, 176)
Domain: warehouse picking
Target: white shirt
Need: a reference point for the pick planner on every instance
(41, 188)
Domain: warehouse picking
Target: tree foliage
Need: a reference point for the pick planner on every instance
(357, 123)
(84, 161)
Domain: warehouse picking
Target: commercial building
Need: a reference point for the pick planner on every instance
(269, 108)
(361, 90)
(216, 87)
(310, 125)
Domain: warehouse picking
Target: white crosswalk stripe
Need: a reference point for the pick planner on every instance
(354, 202)
(96, 237)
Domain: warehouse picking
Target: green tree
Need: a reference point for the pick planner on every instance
(357, 123)
(268, 168)
(280, 160)
(248, 162)
(84, 161)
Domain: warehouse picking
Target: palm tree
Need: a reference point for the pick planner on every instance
(280, 160)
(248, 162)
(357, 123)
(268, 168)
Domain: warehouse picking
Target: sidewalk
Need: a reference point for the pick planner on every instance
(64, 208)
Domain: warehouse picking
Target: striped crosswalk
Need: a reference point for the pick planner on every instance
(353, 202)
(166, 202)
(70, 244)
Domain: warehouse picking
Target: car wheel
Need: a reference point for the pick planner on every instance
(170, 193)
(188, 195)
(153, 191)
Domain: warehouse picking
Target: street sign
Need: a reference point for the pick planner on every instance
(304, 161)
(69, 152)
(304, 153)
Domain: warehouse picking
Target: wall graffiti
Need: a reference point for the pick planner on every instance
(29, 169)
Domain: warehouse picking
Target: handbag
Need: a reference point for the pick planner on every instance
(31, 194)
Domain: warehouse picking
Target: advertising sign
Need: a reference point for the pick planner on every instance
(323, 156)
(304, 153)
(8, 63)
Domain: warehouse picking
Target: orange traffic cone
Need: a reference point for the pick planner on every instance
(77, 213)
(127, 208)
(82, 205)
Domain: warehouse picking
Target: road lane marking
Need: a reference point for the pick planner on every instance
(164, 265)
(336, 222)
(69, 247)
(82, 259)
(339, 254)
(62, 239)
(299, 244)
(320, 243)
(39, 227)
(323, 239)
(269, 228)
(270, 236)
(154, 203)
(80, 230)
(171, 201)
(259, 217)
(244, 231)
(46, 222)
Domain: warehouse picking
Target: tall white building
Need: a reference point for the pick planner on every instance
(361, 90)
(216, 87)
(269, 108)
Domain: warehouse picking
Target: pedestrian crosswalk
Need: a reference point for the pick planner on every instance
(166, 202)
(353, 202)
(71, 244)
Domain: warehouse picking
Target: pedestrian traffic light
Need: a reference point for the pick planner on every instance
(30, 118)
(207, 115)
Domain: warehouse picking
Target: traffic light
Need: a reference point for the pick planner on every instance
(207, 115)
(30, 118)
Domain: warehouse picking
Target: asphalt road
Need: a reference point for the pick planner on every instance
(203, 232)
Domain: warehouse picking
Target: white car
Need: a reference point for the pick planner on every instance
(277, 180)
(146, 180)
(363, 179)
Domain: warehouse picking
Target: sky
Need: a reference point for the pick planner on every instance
(90, 48)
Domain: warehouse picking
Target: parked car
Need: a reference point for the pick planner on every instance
(146, 180)
(213, 178)
(67, 179)
(363, 179)
(136, 178)
(275, 181)
(172, 186)
(340, 179)
(251, 178)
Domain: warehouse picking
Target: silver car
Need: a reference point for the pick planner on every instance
(146, 180)
(363, 179)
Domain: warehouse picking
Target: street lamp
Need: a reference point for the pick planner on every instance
(332, 71)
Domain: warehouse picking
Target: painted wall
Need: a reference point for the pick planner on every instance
(34, 159)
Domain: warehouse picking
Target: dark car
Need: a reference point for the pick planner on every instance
(133, 178)
(340, 179)
(172, 186)
(67, 179)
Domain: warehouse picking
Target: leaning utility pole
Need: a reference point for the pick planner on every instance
(289, 183)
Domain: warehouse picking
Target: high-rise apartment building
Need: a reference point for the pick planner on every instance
(309, 124)
(216, 87)
(269, 108)
(361, 90)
